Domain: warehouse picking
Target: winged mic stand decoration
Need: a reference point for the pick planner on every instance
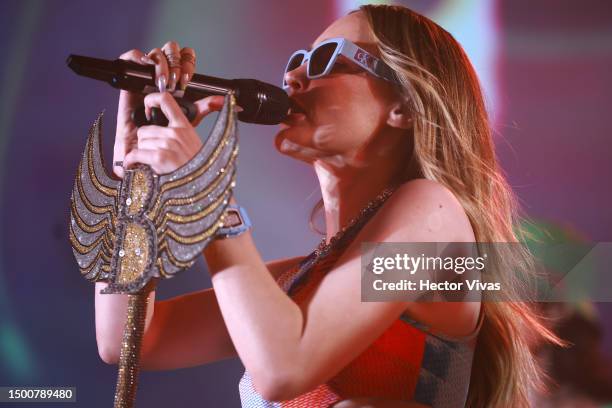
(131, 232)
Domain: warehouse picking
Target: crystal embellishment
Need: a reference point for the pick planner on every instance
(130, 231)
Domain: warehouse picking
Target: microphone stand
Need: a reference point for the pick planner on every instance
(129, 358)
(128, 218)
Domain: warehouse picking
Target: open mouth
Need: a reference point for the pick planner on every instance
(294, 107)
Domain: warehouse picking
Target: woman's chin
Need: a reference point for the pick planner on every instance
(288, 136)
(290, 147)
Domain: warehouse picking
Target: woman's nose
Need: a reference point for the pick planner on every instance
(296, 79)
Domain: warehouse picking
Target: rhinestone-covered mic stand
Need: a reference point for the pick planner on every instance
(135, 231)
(127, 377)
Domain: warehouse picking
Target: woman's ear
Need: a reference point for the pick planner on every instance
(399, 117)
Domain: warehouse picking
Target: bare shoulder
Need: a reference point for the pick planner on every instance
(427, 210)
(428, 194)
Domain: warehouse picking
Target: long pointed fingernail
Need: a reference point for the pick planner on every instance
(173, 78)
(161, 83)
(184, 81)
(147, 60)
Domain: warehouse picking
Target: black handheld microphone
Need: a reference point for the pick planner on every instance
(263, 103)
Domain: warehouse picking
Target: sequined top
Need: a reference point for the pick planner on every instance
(407, 362)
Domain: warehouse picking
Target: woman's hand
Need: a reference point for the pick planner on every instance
(166, 149)
(125, 135)
(174, 66)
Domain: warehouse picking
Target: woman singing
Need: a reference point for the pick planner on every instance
(389, 112)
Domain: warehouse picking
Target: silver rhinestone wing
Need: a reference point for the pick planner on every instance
(93, 210)
(191, 200)
(147, 225)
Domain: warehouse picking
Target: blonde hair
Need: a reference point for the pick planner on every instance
(453, 145)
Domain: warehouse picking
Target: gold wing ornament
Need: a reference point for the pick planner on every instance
(147, 226)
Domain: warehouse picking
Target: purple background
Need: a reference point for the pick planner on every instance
(553, 77)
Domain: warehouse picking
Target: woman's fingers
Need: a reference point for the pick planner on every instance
(125, 135)
(153, 132)
(161, 68)
(174, 67)
(206, 105)
(162, 161)
(150, 157)
(158, 143)
(188, 62)
(133, 55)
(128, 100)
(169, 107)
(173, 112)
(172, 52)
(158, 137)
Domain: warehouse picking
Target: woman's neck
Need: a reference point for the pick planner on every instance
(347, 189)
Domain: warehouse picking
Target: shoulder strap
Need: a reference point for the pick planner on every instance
(324, 263)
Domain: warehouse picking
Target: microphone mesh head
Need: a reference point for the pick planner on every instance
(263, 103)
